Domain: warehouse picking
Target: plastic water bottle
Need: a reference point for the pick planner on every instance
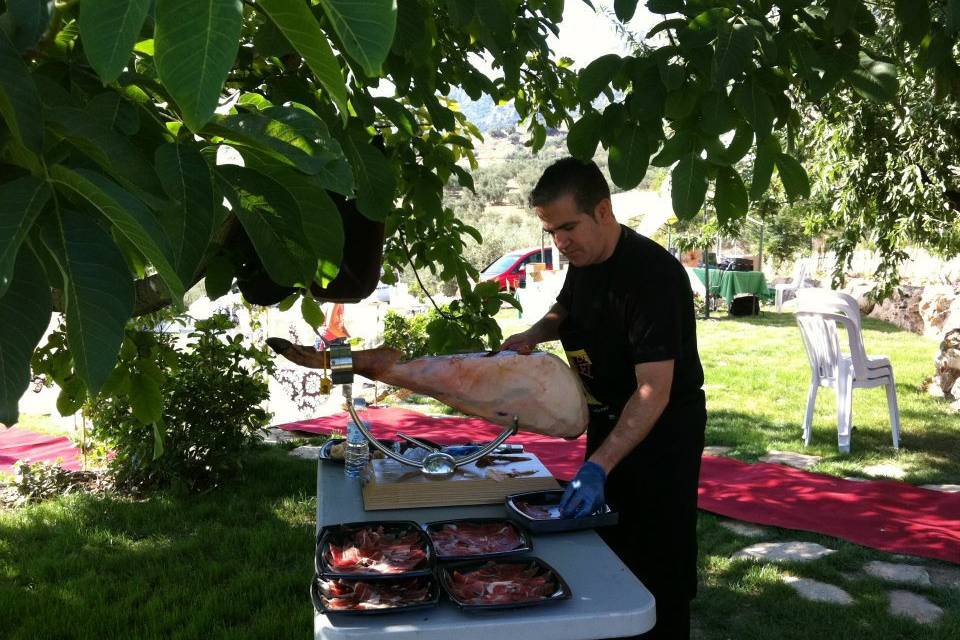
(356, 451)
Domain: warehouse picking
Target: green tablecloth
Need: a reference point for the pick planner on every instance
(728, 284)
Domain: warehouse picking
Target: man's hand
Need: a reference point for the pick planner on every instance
(584, 494)
(522, 342)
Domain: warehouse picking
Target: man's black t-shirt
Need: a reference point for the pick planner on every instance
(635, 307)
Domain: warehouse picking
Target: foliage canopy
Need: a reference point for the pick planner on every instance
(147, 145)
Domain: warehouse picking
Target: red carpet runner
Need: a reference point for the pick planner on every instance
(882, 514)
(20, 444)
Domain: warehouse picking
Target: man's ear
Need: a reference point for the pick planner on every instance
(603, 210)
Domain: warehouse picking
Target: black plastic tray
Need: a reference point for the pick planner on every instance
(603, 518)
(561, 593)
(333, 533)
(526, 542)
(318, 605)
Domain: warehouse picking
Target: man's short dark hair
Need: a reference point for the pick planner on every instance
(581, 179)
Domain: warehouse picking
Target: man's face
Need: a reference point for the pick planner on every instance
(576, 234)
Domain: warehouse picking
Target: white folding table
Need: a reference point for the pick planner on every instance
(608, 600)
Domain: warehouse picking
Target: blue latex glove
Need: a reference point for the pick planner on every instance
(584, 493)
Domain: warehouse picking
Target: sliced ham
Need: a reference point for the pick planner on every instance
(372, 550)
(473, 539)
(503, 583)
(539, 389)
(357, 595)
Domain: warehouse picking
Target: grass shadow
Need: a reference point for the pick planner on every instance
(235, 562)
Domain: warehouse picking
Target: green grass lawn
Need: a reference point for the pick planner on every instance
(235, 562)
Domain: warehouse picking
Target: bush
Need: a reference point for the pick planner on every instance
(210, 392)
(36, 481)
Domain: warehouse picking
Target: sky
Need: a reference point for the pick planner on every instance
(585, 35)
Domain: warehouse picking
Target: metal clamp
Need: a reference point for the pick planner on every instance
(341, 364)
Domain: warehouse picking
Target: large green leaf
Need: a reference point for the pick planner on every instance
(730, 198)
(733, 51)
(24, 22)
(114, 152)
(754, 105)
(716, 113)
(24, 315)
(398, 115)
(914, 18)
(19, 100)
(688, 186)
(584, 136)
(189, 222)
(196, 44)
(742, 140)
(953, 16)
(624, 9)
(373, 175)
(597, 75)
(289, 134)
(271, 218)
(676, 146)
(109, 29)
(793, 176)
(294, 19)
(146, 398)
(629, 156)
(128, 215)
(319, 217)
(874, 80)
(664, 6)
(98, 294)
(366, 29)
(767, 151)
(20, 202)
(115, 111)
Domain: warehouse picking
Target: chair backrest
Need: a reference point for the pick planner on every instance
(799, 274)
(819, 312)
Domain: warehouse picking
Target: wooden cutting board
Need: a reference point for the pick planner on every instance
(387, 484)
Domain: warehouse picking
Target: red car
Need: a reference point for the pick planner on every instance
(509, 269)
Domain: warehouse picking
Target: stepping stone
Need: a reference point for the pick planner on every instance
(784, 551)
(899, 573)
(818, 591)
(913, 606)
(944, 577)
(946, 488)
(307, 452)
(790, 458)
(716, 450)
(743, 529)
(886, 470)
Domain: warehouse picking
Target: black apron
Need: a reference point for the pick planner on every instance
(653, 488)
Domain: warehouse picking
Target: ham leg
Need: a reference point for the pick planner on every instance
(540, 389)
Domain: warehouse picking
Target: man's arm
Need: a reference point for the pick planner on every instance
(641, 412)
(543, 330)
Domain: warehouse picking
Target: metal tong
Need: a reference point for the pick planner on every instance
(436, 464)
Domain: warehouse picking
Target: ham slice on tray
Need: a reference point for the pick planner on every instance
(539, 511)
(475, 538)
(372, 550)
(503, 583)
(354, 595)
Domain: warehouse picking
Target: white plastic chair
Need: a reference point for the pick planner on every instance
(796, 282)
(818, 314)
